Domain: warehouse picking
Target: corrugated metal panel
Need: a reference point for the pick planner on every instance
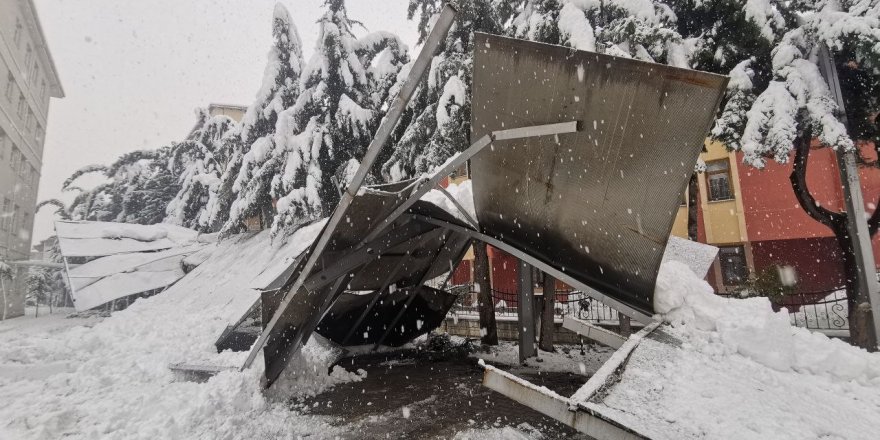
(598, 204)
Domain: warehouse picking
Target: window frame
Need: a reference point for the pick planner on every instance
(10, 86)
(5, 214)
(722, 256)
(3, 141)
(710, 195)
(19, 30)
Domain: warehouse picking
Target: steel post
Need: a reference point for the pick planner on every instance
(857, 224)
(525, 308)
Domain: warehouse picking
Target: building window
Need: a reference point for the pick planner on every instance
(734, 270)
(16, 37)
(22, 105)
(5, 215)
(24, 228)
(32, 73)
(718, 179)
(15, 158)
(40, 133)
(2, 144)
(28, 54)
(10, 86)
(16, 219)
(43, 89)
(31, 120)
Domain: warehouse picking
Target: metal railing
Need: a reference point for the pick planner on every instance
(567, 302)
(829, 313)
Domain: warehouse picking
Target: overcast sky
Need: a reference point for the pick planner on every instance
(134, 71)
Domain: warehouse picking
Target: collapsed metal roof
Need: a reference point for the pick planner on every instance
(598, 204)
(588, 157)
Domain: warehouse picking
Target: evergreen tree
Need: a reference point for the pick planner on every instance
(197, 162)
(436, 124)
(326, 132)
(248, 181)
(137, 189)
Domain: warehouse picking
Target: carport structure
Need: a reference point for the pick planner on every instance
(579, 163)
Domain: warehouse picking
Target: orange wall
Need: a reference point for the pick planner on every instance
(773, 213)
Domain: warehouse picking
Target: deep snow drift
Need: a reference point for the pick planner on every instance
(742, 372)
(111, 380)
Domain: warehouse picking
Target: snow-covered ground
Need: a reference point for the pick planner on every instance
(741, 371)
(85, 378)
(738, 371)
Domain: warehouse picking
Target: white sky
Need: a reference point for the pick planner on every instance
(134, 71)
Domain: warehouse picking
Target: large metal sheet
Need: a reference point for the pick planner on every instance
(598, 204)
(425, 313)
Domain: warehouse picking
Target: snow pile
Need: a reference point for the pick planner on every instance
(462, 192)
(749, 327)
(112, 380)
(565, 359)
(309, 372)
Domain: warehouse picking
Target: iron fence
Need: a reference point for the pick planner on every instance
(567, 302)
(812, 311)
(829, 313)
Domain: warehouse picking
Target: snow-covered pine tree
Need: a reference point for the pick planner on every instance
(197, 162)
(641, 29)
(247, 182)
(137, 189)
(796, 109)
(344, 88)
(436, 124)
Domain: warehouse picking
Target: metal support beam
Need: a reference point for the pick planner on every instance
(413, 294)
(381, 291)
(593, 332)
(470, 219)
(638, 315)
(428, 183)
(554, 406)
(525, 308)
(857, 225)
(383, 133)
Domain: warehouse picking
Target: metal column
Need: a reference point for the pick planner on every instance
(525, 308)
(857, 225)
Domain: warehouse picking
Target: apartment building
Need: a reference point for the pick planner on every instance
(28, 79)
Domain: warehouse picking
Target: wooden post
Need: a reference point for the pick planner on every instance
(526, 313)
(547, 325)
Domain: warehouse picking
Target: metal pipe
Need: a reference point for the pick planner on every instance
(464, 156)
(458, 206)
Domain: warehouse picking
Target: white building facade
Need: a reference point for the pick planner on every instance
(28, 79)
